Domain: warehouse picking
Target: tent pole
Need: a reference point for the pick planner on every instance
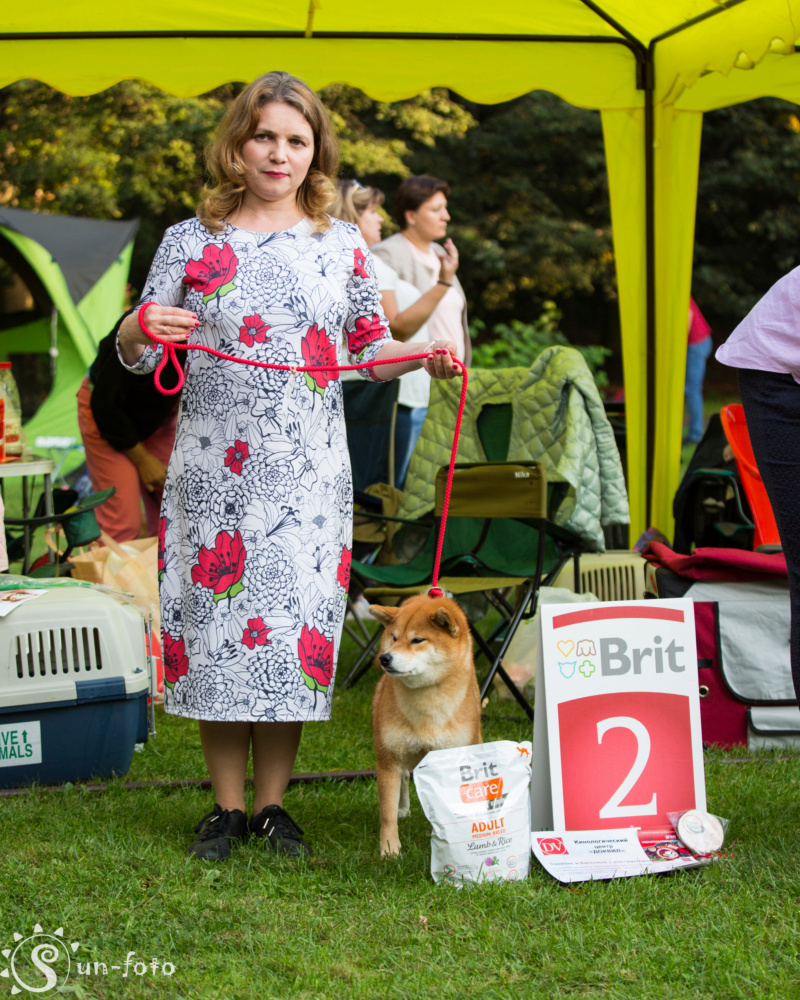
(53, 341)
(650, 275)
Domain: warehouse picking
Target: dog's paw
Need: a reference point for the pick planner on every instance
(390, 849)
(404, 811)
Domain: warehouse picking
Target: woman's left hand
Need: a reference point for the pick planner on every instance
(439, 363)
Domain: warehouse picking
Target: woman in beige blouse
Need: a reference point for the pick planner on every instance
(420, 209)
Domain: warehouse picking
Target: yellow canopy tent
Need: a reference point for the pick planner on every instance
(652, 69)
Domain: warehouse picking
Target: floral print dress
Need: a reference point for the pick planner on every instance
(256, 520)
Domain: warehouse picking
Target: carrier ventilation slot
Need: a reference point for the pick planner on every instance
(612, 583)
(58, 651)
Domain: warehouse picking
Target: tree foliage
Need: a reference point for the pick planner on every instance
(378, 139)
(531, 217)
(517, 344)
(530, 204)
(131, 151)
(529, 192)
(748, 208)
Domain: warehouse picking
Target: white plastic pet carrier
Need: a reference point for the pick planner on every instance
(74, 676)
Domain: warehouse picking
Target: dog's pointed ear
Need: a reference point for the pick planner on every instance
(441, 618)
(384, 615)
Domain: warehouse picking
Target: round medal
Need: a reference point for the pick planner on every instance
(700, 831)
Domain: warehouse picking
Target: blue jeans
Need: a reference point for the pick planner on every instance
(696, 357)
(408, 425)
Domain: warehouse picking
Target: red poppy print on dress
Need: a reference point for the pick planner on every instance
(358, 269)
(256, 633)
(319, 350)
(214, 274)
(236, 455)
(176, 662)
(221, 568)
(366, 332)
(316, 659)
(253, 331)
(343, 569)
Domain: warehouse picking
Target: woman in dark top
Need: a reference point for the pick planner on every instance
(128, 430)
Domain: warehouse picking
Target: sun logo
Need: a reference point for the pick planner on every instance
(39, 964)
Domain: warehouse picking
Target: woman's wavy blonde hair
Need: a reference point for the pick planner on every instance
(353, 199)
(224, 195)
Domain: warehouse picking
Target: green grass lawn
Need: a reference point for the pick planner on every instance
(112, 870)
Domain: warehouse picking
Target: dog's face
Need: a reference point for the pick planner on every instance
(423, 639)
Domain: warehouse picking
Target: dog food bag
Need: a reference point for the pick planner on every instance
(477, 801)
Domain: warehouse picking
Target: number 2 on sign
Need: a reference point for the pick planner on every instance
(612, 809)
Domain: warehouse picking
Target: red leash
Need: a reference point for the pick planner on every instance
(170, 354)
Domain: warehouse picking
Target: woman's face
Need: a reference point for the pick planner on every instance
(430, 220)
(370, 222)
(278, 155)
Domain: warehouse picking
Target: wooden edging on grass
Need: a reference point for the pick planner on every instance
(204, 783)
(296, 779)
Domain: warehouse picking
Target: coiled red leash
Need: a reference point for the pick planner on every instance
(170, 354)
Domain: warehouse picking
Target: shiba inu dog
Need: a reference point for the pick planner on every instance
(427, 700)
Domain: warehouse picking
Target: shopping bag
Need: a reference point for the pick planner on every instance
(522, 654)
(129, 566)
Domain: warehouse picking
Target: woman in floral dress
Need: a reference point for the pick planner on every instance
(257, 510)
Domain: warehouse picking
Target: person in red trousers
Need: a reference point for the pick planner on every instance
(128, 430)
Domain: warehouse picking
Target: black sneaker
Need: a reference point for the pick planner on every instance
(219, 831)
(277, 827)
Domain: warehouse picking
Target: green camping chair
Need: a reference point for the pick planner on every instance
(494, 430)
(498, 537)
(78, 522)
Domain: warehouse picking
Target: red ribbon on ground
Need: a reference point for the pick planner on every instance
(170, 354)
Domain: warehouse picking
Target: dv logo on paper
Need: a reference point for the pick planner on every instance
(552, 845)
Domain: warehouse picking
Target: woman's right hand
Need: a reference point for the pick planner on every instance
(168, 322)
(448, 264)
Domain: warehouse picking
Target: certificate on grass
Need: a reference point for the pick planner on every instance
(605, 854)
(617, 738)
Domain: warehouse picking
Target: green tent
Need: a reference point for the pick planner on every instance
(652, 69)
(76, 270)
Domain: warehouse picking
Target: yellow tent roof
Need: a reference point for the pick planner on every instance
(487, 52)
(650, 68)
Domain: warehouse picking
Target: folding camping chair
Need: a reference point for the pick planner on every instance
(76, 518)
(710, 505)
(375, 523)
(500, 410)
(765, 537)
(498, 537)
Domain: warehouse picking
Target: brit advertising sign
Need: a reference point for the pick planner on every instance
(617, 721)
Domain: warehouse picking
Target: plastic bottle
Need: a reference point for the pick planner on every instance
(2, 429)
(12, 422)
